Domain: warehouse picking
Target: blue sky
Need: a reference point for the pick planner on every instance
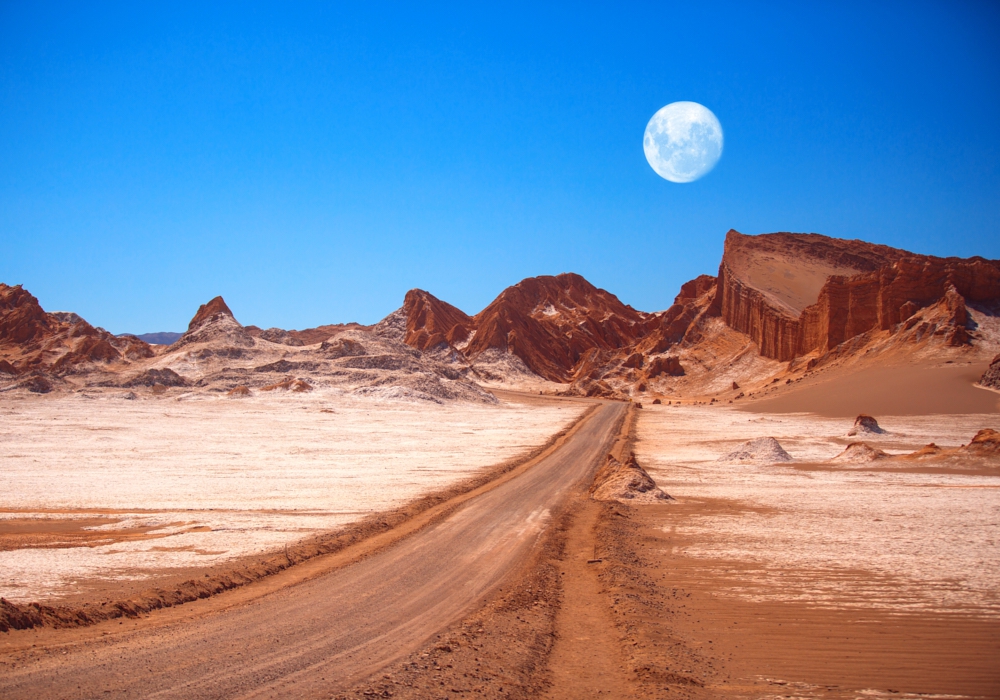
(312, 162)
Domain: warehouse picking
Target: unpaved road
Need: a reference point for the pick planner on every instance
(311, 639)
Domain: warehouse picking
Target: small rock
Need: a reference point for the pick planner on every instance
(865, 425)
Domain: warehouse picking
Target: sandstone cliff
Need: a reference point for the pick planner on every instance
(794, 294)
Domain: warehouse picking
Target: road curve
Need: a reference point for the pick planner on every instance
(322, 635)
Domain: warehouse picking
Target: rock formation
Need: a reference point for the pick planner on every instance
(765, 450)
(431, 323)
(215, 328)
(558, 328)
(33, 341)
(865, 425)
(805, 299)
(986, 442)
(626, 482)
(793, 294)
(860, 453)
(991, 377)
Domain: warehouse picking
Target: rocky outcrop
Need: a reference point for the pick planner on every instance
(22, 318)
(625, 482)
(215, 327)
(152, 377)
(665, 364)
(32, 340)
(865, 425)
(210, 311)
(432, 323)
(553, 324)
(798, 293)
(986, 442)
(991, 377)
(681, 321)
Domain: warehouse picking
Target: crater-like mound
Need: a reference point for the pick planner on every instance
(765, 450)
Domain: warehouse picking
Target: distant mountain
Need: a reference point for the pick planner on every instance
(801, 299)
(783, 306)
(165, 338)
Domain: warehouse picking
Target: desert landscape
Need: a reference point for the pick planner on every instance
(538, 351)
(787, 484)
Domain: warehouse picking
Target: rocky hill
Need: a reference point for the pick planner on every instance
(778, 297)
(782, 305)
(794, 294)
(36, 344)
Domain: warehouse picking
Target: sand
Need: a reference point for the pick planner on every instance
(125, 489)
(832, 537)
(919, 388)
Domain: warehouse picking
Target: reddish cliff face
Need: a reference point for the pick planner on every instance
(32, 340)
(431, 322)
(798, 293)
(681, 321)
(21, 317)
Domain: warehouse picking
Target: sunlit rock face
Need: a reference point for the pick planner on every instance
(798, 293)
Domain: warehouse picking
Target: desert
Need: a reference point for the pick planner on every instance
(717, 491)
(518, 352)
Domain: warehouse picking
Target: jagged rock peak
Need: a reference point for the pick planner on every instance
(21, 316)
(431, 322)
(209, 311)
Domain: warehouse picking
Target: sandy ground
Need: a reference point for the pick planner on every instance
(331, 624)
(919, 387)
(820, 581)
(110, 489)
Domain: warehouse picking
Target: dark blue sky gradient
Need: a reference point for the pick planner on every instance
(313, 162)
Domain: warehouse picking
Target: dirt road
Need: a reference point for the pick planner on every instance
(311, 639)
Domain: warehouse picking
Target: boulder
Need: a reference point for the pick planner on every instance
(865, 425)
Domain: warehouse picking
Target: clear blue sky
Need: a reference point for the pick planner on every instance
(313, 162)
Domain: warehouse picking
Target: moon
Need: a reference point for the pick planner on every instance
(683, 141)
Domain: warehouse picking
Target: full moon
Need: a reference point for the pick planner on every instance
(683, 141)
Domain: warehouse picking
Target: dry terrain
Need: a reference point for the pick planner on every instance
(326, 624)
(820, 578)
(96, 488)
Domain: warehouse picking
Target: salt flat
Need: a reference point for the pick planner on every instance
(827, 536)
(178, 483)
